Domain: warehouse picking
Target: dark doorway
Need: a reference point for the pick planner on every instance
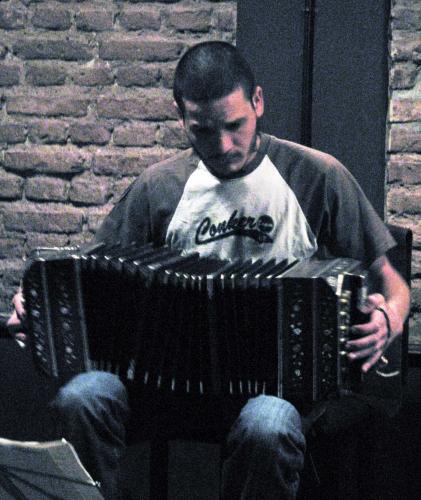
(323, 65)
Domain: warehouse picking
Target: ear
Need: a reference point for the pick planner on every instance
(258, 101)
(180, 116)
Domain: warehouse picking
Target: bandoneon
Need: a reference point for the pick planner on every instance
(196, 326)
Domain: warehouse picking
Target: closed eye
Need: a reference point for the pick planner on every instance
(198, 131)
(233, 126)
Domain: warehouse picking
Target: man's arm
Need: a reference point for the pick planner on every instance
(394, 299)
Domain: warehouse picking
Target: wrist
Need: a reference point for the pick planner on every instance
(394, 321)
(387, 320)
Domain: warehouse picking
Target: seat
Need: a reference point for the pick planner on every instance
(340, 467)
(355, 464)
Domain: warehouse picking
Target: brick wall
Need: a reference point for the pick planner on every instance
(404, 137)
(85, 105)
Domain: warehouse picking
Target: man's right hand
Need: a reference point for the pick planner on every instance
(17, 318)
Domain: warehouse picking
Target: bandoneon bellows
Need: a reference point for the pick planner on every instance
(198, 326)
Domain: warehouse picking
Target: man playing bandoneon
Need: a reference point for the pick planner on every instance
(237, 193)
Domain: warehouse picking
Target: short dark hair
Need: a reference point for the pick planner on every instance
(211, 70)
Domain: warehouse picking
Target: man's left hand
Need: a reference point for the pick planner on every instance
(375, 335)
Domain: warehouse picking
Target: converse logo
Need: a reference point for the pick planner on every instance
(257, 228)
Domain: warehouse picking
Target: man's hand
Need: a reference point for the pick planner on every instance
(15, 322)
(383, 326)
(374, 336)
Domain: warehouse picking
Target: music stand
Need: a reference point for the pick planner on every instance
(41, 471)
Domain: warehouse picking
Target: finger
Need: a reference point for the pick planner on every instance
(13, 320)
(376, 340)
(21, 337)
(19, 305)
(371, 362)
(373, 300)
(361, 354)
(362, 343)
(376, 325)
(365, 329)
(21, 340)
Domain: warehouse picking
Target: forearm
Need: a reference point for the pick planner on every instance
(395, 291)
(387, 308)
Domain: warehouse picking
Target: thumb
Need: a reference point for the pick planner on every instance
(373, 301)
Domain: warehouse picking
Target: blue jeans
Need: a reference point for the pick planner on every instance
(91, 412)
(265, 447)
(265, 452)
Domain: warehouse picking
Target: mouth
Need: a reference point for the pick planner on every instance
(223, 160)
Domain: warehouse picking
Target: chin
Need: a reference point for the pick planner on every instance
(225, 170)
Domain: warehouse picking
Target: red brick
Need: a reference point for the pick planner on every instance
(225, 19)
(46, 189)
(96, 216)
(120, 186)
(189, 19)
(127, 162)
(11, 17)
(403, 75)
(9, 74)
(135, 135)
(161, 1)
(416, 261)
(11, 247)
(90, 190)
(410, 222)
(404, 46)
(138, 74)
(94, 20)
(405, 110)
(80, 239)
(11, 187)
(43, 218)
(167, 75)
(47, 160)
(147, 105)
(172, 135)
(135, 49)
(36, 240)
(48, 131)
(416, 303)
(92, 76)
(406, 18)
(6, 296)
(54, 106)
(51, 18)
(44, 48)
(11, 271)
(140, 18)
(12, 133)
(45, 74)
(404, 201)
(404, 168)
(416, 55)
(89, 133)
(405, 138)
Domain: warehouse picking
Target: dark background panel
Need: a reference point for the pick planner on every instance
(331, 89)
(269, 34)
(350, 88)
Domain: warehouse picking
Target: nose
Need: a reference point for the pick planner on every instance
(225, 143)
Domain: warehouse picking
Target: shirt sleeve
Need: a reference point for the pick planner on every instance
(128, 223)
(355, 228)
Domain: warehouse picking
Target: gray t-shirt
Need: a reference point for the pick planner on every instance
(290, 202)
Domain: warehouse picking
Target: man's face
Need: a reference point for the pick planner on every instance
(223, 131)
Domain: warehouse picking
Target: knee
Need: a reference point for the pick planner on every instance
(91, 391)
(270, 423)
